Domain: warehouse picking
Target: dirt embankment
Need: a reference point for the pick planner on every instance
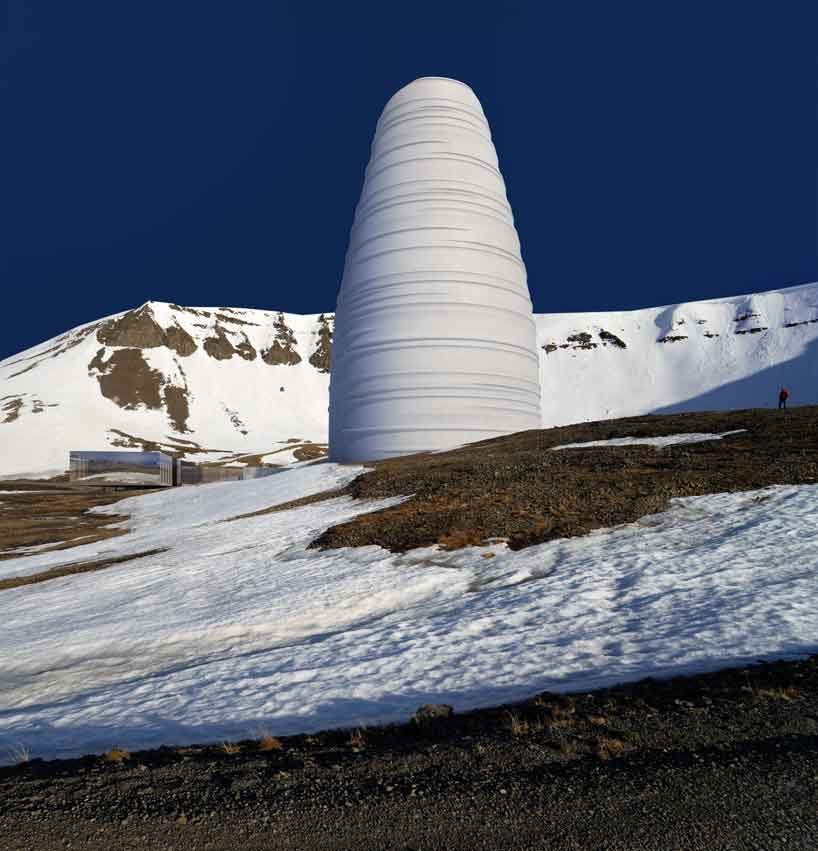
(724, 760)
(516, 488)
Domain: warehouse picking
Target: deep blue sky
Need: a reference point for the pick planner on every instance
(212, 153)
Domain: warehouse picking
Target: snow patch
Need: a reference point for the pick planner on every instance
(659, 442)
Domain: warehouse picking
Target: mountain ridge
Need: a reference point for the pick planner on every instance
(242, 385)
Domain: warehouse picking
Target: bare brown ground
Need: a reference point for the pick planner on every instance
(515, 488)
(293, 503)
(72, 569)
(54, 513)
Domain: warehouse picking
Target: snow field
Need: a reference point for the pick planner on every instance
(239, 627)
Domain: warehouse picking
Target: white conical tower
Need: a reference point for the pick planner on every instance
(434, 336)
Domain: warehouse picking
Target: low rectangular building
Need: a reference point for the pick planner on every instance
(257, 472)
(121, 468)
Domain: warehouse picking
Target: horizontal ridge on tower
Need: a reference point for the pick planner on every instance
(434, 338)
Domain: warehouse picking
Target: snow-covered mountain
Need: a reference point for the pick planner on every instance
(209, 383)
(252, 385)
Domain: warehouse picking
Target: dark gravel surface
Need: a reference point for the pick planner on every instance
(515, 488)
(720, 761)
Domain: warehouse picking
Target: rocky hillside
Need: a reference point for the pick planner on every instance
(251, 386)
(214, 384)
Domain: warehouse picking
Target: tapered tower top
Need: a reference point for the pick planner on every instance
(434, 337)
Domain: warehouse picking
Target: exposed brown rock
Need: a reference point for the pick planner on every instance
(98, 360)
(608, 337)
(126, 378)
(322, 356)
(180, 341)
(234, 319)
(235, 419)
(246, 350)
(24, 369)
(205, 313)
(309, 451)
(581, 340)
(177, 407)
(219, 347)
(135, 329)
(11, 409)
(139, 329)
(282, 351)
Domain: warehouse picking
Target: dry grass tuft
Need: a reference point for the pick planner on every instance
(519, 726)
(357, 739)
(116, 755)
(607, 748)
(231, 748)
(786, 693)
(458, 538)
(269, 743)
(561, 708)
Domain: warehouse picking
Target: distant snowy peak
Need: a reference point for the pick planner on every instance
(251, 386)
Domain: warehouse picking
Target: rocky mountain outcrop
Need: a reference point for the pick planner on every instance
(126, 378)
(282, 351)
(218, 346)
(139, 329)
(189, 380)
(322, 356)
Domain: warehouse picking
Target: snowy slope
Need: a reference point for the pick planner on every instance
(200, 379)
(708, 355)
(239, 628)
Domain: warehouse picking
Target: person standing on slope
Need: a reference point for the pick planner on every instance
(782, 398)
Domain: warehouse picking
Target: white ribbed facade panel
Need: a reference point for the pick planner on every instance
(435, 341)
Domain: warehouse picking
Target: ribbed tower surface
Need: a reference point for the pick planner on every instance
(434, 336)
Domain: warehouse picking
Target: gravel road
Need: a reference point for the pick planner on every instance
(720, 761)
